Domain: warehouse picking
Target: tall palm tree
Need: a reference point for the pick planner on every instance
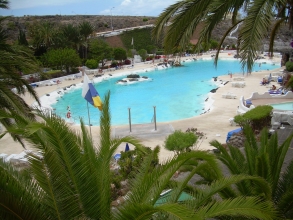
(179, 21)
(44, 34)
(72, 36)
(15, 59)
(266, 160)
(86, 30)
(69, 178)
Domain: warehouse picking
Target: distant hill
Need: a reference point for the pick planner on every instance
(103, 23)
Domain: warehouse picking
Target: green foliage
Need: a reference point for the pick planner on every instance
(54, 73)
(119, 54)
(152, 49)
(11, 25)
(100, 50)
(258, 117)
(131, 161)
(143, 53)
(141, 38)
(92, 64)
(214, 44)
(160, 52)
(22, 38)
(145, 19)
(262, 157)
(289, 83)
(180, 141)
(61, 59)
(70, 34)
(289, 66)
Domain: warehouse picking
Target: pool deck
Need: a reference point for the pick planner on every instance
(214, 124)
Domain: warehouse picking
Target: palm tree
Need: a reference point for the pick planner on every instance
(69, 178)
(86, 30)
(44, 34)
(266, 160)
(15, 59)
(179, 21)
(4, 4)
(72, 36)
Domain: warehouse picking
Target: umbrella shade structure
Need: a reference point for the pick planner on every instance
(127, 147)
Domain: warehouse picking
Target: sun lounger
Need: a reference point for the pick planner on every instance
(229, 96)
(238, 84)
(238, 78)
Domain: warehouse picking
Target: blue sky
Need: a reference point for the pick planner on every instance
(87, 7)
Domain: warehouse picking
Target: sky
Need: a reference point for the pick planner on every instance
(87, 7)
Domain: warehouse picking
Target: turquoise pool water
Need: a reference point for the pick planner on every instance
(177, 93)
(288, 106)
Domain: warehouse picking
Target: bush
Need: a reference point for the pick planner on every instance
(289, 66)
(180, 141)
(127, 62)
(257, 118)
(74, 70)
(160, 52)
(114, 64)
(92, 64)
(54, 73)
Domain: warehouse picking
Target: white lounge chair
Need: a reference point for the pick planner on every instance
(229, 95)
(238, 84)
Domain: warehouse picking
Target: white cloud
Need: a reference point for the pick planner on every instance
(140, 7)
(126, 2)
(21, 4)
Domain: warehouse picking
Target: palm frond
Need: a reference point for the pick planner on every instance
(254, 26)
(20, 194)
(248, 207)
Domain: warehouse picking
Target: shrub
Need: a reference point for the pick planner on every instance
(74, 70)
(180, 141)
(257, 118)
(160, 52)
(289, 83)
(114, 64)
(289, 66)
(54, 73)
(127, 62)
(92, 64)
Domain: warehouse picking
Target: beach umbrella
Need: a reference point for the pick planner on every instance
(127, 147)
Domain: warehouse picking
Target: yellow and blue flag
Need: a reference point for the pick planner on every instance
(90, 94)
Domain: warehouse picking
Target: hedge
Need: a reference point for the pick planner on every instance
(257, 118)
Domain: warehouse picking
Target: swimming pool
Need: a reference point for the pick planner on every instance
(288, 106)
(178, 93)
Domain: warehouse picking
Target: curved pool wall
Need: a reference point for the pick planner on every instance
(177, 92)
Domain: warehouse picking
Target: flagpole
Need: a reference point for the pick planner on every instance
(88, 112)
